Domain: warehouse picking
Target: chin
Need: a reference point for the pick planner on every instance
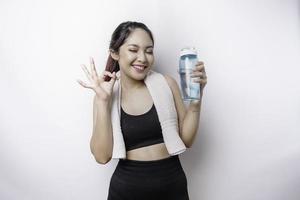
(140, 75)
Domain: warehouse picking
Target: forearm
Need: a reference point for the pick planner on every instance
(102, 141)
(191, 122)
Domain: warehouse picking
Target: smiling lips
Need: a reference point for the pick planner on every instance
(139, 68)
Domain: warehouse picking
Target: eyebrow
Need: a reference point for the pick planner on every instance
(151, 46)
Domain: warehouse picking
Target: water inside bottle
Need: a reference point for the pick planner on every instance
(190, 89)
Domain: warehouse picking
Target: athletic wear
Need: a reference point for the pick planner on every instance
(149, 180)
(141, 130)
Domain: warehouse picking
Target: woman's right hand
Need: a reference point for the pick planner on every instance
(103, 89)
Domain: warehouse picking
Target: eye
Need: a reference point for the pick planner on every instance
(150, 51)
(135, 51)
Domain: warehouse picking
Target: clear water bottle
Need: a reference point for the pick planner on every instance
(187, 62)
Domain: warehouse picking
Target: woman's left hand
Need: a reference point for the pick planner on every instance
(199, 75)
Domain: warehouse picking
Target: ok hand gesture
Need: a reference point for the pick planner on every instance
(102, 88)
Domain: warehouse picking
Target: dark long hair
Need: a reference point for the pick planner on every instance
(118, 38)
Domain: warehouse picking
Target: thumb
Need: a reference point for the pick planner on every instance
(113, 78)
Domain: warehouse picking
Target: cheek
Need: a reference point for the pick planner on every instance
(128, 57)
(150, 58)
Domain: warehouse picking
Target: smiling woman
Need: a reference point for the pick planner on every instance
(134, 48)
(147, 105)
(135, 56)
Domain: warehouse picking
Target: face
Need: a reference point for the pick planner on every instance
(135, 56)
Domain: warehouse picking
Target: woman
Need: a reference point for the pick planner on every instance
(149, 171)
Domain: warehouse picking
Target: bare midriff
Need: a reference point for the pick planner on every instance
(152, 152)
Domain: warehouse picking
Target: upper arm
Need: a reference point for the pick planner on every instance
(179, 104)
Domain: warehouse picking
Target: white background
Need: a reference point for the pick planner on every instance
(248, 143)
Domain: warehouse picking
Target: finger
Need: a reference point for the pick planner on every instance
(200, 63)
(114, 75)
(204, 77)
(87, 73)
(113, 78)
(93, 68)
(105, 74)
(83, 84)
(202, 81)
(197, 74)
(199, 68)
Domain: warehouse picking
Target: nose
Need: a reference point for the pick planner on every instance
(142, 57)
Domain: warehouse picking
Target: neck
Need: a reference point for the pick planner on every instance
(131, 84)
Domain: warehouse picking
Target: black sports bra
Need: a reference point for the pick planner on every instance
(141, 130)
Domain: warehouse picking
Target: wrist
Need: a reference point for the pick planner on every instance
(103, 103)
(195, 105)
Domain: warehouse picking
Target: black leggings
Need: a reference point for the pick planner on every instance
(149, 180)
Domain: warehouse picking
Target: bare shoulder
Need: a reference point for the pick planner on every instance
(171, 81)
(175, 89)
(173, 85)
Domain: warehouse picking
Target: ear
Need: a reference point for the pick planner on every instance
(114, 55)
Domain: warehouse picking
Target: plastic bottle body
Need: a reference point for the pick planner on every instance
(188, 60)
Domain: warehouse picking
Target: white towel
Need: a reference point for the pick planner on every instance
(164, 103)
